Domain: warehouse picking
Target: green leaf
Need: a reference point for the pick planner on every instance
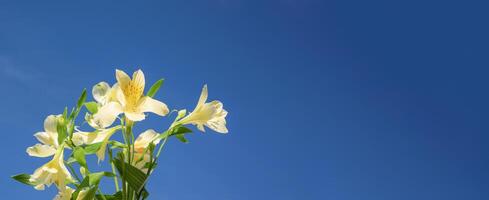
(182, 138)
(83, 184)
(96, 177)
(181, 130)
(92, 107)
(23, 178)
(79, 155)
(92, 148)
(154, 88)
(82, 99)
(116, 196)
(61, 129)
(135, 178)
(116, 144)
(65, 113)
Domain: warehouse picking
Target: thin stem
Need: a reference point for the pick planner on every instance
(101, 194)
(116, 181)
(124, 195)
(161, 147)
(73, 172)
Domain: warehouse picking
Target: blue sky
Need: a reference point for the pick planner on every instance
(327, 99)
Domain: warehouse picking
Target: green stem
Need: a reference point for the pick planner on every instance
(116, 181)
(101, 194)
(73, 172)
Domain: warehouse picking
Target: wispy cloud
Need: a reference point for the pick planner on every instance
(11, 71)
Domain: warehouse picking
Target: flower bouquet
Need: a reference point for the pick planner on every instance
(115, 109)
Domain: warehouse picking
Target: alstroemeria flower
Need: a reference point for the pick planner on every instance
(109, 107)
(141, 155)
(103, 93)
(102, 135)
(54, 171)
(64, 194)
(130, 101)
(48, 138)
(210, 114)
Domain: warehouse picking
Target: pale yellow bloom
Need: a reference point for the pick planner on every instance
(129, 99)
(210, 114)
(54, 171)
(141, 155)
(103, 93)
(101, 135)
(109, 107)
(64, 194)
(132, 99)
(48, 139)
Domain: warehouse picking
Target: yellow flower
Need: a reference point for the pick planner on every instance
(210, 114)
(48, 138)
(132, 100)
(141, 155)
(54, 171)
(129, 99)
(101, 135)
(64, 194)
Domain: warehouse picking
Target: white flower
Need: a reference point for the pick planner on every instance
(108, 106)
(64, 194)
(103, 93)
(101, 135)
(54, 171)
(141, 155)
(48, 138)
(210, 114)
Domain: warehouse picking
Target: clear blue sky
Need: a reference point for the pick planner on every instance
(340, 100)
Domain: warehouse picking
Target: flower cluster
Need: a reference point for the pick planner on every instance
(115, 109)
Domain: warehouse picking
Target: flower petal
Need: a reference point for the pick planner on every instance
(80, 138)
(106, 115)
(64, 194)
(149, 104)
(119, 95)
(138, 79)
(101, 92)
(45, 138)
(122, 78)
(135, 116)
(202, 98)
(144, 139)
(218, 120)
(51, 123)
(41, 150)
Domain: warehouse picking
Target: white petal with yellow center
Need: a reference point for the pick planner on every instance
(132, 99)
